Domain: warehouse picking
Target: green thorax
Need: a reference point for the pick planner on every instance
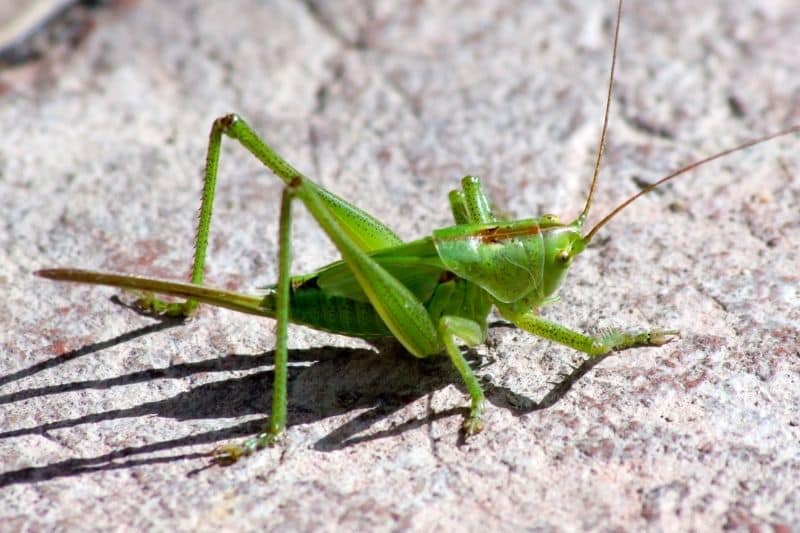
(523, 260)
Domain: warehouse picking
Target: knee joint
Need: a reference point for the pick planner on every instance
(225, 122)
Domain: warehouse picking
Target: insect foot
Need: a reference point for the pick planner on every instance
(227, 454)
(147, 302)
(614, 341)
(658, 337)
(474, 422)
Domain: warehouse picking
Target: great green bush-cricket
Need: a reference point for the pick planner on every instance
(430, 294)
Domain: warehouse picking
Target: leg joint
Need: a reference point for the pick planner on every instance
(294, 182)
(225, 122)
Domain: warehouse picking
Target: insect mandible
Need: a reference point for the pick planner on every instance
(430, 294)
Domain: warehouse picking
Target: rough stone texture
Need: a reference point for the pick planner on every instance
(105, 414)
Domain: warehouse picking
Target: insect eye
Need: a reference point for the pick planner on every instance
(563, 256)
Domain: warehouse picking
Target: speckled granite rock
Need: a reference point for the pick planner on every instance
(105, 414)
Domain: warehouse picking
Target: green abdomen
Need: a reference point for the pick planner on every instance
(311, 307)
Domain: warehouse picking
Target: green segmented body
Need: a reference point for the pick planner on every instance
(460, 271)
(311, 306)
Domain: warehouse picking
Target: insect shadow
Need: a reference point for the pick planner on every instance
(324, 381)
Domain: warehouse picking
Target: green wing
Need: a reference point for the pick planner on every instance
(415, 264)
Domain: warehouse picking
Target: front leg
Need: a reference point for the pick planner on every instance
(613, 341)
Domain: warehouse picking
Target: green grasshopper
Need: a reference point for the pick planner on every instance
(430, 294)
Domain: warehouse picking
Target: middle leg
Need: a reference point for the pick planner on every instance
(450, 328)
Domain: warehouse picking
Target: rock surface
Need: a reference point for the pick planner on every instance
(105, 415)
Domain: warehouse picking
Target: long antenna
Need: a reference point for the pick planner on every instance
(602, 145)
(683, 170)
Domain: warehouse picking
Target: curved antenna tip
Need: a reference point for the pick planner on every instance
(683, 170)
